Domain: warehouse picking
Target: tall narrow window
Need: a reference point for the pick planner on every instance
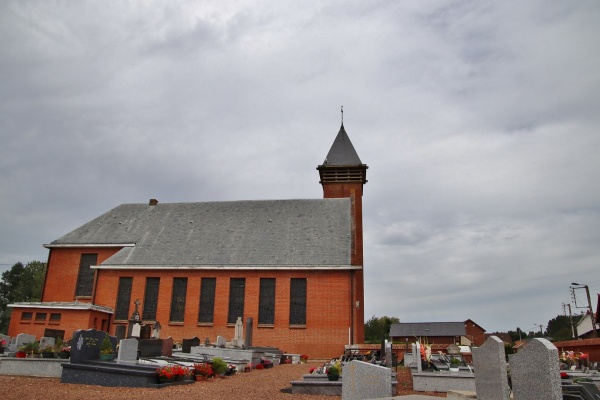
(266, 301)
(151, 299)
(123, 298)
(298, 301)
(178, 299)
(237, 291)
(207, 300)
(85, 278)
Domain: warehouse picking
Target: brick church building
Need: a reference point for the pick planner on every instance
(294, 266)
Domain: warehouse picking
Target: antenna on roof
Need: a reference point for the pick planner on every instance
(342, 115)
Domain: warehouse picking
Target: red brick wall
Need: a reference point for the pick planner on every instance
(475, 333)
(70, 321)
(328, 307)
(63, 267)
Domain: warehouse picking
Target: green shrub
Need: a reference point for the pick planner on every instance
(219, 366)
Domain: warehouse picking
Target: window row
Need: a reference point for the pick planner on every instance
(40, 317)
(206, 310)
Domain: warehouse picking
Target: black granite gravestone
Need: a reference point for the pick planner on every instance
(150, 347)
(186, 346)
(85, 345)
(146, 332)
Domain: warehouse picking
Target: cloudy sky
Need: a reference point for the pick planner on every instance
(479, 121)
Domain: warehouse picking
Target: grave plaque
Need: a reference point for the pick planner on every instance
(491, 379)
(47, 341)
(187, 344)
(248, 332)
(135, 330)
(363, 380)
(20, 340)
(146, 332)
(534, 371)
(85, 345)
(167, 347)
(128, 350)
(150, 348)
(221, 342)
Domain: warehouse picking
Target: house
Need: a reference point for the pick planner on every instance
(585, 327)
(294, 266)
(465, 333)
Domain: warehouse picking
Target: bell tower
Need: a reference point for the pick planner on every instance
(343, 175)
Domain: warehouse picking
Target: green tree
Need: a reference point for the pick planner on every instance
(20, 283)
(377, 328)
(559, 328)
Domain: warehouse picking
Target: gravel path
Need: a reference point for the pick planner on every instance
(268, 384)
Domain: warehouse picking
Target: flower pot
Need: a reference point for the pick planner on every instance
(47, 354)
(454, 369)
(332, 377)
(64, 354)
(1, 350)
(21, 354)
(164, 379)
(107, 357)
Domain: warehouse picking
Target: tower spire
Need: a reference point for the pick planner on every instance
(342, 115)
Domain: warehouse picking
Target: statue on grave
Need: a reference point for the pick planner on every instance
(136, 314)
(156, 330)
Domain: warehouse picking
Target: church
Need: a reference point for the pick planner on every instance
(294, 266)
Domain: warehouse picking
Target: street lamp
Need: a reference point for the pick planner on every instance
(587, 291)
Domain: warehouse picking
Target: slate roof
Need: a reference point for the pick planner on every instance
(422, 329)
(241, 234)
(342, 151)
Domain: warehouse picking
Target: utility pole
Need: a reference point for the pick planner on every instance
(570, 318)
(587, 291)
(541, 332)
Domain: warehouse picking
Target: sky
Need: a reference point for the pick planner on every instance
(478, 120)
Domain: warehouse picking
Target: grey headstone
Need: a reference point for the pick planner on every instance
(388, 354)
(20, 340)
(534, 372)
(135, 330)
(453, 349)
(167, 347)
(47, 341)
(491, 379)
(416, 352)
(85, 345)
(221, 341)
(249, 332)
(128, 350)
(362, 380)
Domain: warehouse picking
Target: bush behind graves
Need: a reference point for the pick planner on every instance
(219, 366)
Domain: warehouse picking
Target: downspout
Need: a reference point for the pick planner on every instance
(351, 306)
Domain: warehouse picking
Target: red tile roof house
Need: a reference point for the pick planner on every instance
(294, 266)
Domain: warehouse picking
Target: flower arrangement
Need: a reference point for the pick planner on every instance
(204, 369)
(260, 366)
(219, 366)
(303, 358)
(47, 349)
(106, 346)
(2, 343)
(231, 370)
(287, 361)
(333, 371)
(171, 372)
(66, 349)
(312, 370)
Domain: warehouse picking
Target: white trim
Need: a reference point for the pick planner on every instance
(88, 245)
(63, 306)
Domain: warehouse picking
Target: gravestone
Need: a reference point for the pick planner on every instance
(363, 380)
(491, 379)
(249, 332)
(156, 330)
(238, 339)
(135, 318)
(150, 348)
(187, 344)
(534, 371)
(388, 354)
(416, 353)
(453, 350)
(167, 347)
(221, 342)
(47, 341)
(128, 350)
(146, 332)
(135, 330)
(85, 345)
(21, 340)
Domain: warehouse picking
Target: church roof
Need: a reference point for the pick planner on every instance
(238, 234)
(342, 151)
(423, 329)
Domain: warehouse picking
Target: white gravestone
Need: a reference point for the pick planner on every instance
(135, 330)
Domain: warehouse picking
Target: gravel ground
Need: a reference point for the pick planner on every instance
(272, 383)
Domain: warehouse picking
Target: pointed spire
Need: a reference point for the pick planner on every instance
(342, 151)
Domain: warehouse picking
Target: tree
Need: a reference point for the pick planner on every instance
(377, 328)
(20, 283)
(559, 328)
